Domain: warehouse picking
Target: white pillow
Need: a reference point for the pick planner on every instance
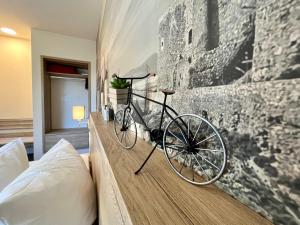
(13, 161)
(56, 190)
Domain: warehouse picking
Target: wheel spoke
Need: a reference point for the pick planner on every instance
(176, 145)
(176, 154)
(130, 124)
(201, 167)
(208, 161)
(206, 139)
(126, 135)
(194, 149)
(197, 131)
(125, 140)
(175, 136)
(173, 148)
(183, 164)
(183, 136)
(210, 150)
(123, 119)
(122, 136)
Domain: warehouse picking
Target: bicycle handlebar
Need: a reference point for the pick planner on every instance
(133, 78)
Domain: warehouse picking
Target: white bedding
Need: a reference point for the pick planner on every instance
(13, 161)
(56, 190)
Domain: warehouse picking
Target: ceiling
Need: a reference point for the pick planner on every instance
(78, 18)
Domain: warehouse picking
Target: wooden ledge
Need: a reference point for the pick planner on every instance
(26, 140)
(157, 195)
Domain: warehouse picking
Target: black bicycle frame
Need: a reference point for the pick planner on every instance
(165, 109)
(130, 103)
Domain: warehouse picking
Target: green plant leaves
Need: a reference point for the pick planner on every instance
(119, 83)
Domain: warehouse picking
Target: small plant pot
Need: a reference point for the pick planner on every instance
(118, 96)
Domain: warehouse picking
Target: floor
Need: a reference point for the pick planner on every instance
(83, 150)
(78, 137)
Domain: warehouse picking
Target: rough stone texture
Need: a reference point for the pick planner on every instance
(263, 143)
(222, 37)
(260, 121)
(205, 53)
(277, 45)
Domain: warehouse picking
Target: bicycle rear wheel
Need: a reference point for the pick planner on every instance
(126, 132)
(194, 149)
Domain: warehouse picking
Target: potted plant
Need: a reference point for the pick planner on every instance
(118, 91)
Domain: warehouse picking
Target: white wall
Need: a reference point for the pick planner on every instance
(65, 93)
(128, 32)
(128, 38)
(55, 45)
(15, 78)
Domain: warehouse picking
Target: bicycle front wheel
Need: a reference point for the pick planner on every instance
(125, 129)
(194, 149)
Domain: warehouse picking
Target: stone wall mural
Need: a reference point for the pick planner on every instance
(206, 43)
(238, 63)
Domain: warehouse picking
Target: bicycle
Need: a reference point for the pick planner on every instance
(192, 145)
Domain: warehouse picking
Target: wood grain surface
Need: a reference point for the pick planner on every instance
(14, 128)
(157, 195)
(78, 137)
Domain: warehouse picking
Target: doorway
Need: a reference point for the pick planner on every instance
(66, 87)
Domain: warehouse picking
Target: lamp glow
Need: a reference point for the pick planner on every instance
(78, 113)
(7, 30)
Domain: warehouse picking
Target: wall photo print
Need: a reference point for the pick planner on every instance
(234, 62)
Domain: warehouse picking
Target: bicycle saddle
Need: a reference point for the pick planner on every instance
(167, 92)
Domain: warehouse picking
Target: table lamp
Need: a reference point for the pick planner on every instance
(78, 113)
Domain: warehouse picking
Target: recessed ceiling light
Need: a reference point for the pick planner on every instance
(8, 31)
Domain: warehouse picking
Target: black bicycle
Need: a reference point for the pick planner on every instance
(192, 145)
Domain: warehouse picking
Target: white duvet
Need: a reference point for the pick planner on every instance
(56, 190)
